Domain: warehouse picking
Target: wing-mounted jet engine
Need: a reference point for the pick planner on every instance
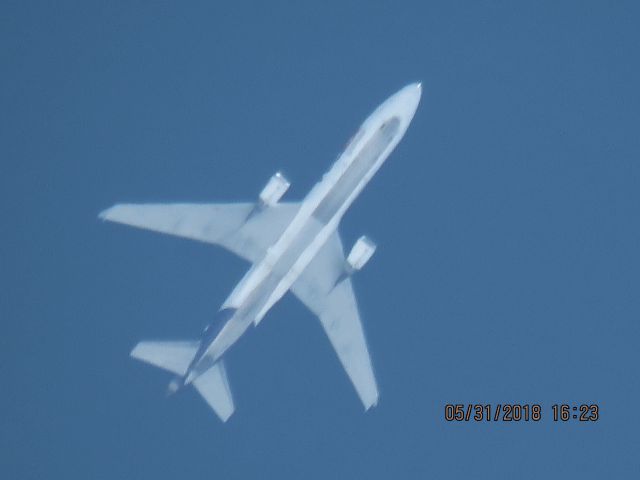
(360, 254)
(270, 195)
(273, 190)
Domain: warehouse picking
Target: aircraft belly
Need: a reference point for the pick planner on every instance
(242, 319)
(318, 218)
(267, 282)
(307, 255)
(360, 167)
(251, 280)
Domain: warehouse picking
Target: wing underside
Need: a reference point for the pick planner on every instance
(336, 307)
(239, 227)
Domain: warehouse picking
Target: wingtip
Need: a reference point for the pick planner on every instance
(108, 213)
(104, 214)
(134, 351)
(371, 405)
(227, 416)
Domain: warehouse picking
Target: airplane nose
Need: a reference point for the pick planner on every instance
(417, 89)
(404, 102)
(411, 94)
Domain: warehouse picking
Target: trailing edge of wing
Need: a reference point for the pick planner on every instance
(336, 307)
(238, 227)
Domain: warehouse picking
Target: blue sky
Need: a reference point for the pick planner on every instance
(506, 222)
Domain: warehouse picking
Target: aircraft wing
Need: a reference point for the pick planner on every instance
(336, 307)
(235, 226)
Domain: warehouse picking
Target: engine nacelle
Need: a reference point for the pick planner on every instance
(274, 190)
(360, 254)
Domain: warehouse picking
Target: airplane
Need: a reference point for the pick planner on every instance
(292, 246)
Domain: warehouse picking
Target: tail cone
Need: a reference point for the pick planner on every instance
(173, 386)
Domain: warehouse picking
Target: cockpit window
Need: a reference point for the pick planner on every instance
(390, 126)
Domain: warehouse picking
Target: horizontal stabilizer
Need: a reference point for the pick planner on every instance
(172, 356)
(214, 388)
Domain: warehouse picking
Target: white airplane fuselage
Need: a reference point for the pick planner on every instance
(316, 220)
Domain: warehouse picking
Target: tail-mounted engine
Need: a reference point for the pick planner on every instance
(274, 190)
(360, 254)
